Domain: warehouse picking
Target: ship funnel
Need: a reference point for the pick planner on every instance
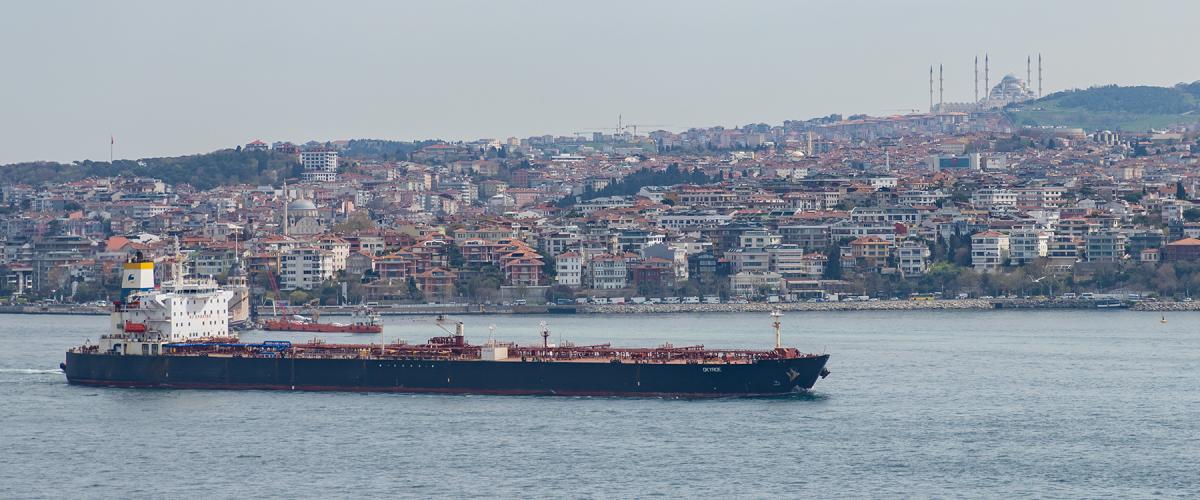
(137, 275)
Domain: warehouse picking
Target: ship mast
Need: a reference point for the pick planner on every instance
(545, 335)
(775, 315)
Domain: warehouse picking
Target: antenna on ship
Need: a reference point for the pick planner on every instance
(545, 334)
(775, 315)
(492, 334)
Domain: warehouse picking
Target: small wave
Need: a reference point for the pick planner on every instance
(30, 371)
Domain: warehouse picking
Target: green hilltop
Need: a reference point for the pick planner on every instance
(1112, 107)
(202, 171)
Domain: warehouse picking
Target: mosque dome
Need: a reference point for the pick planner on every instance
(302, 204)
(1011, 89)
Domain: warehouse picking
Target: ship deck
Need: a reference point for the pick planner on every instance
(666, 355)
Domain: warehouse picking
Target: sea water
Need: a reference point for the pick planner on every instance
(927, 403)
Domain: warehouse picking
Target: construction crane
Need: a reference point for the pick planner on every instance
(278, 294)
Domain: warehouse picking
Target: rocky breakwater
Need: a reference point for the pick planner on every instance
(1158, 306)
(54, 309)
(882, 305)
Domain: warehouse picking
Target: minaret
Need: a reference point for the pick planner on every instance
(931, 89)
(1039, 76)
(987, 89)
(976, 79)
(941, 89)
(1028, 71)
(285, 209)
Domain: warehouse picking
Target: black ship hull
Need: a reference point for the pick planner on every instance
(566, 378)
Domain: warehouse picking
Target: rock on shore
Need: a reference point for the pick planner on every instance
(1167, 306)
(882, 305)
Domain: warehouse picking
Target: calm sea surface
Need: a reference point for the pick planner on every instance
(951, 404)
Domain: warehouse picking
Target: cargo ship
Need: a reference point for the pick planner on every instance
(167, 351)
(362, 321)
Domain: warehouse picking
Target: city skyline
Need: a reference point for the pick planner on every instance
(409, 72)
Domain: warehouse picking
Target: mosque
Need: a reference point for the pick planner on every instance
(302, 218)
(1011, 89)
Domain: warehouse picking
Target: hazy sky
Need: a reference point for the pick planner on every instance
(169, 78)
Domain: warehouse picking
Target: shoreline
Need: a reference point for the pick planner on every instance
(881, 305)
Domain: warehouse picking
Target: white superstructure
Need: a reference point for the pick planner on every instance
(182, 310)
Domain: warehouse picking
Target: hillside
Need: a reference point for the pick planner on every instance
(1113, 108)
(204, 171)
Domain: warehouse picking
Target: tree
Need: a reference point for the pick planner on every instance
(1166, 281)
(557, 292)
(482, 288)
(203, 171)
(635, 181)
(940, 276)
(454, 256)
(298, 297)
(1180, 192)
(359, 220)
(414, 292)
(833, 263)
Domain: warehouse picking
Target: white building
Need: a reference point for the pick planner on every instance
(759, 238)
(891, 215)
(788, 261)
(916, 197)
(568, 269)
(319, 165)
(746, 284)
(305, 268)
(339, 251)
(1105, 246)
(989, 250)
(1040, 197)
(1028, 246)
(683, 219)
(608, 272)
(749, 260)
(912, 258)
(991, 199)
